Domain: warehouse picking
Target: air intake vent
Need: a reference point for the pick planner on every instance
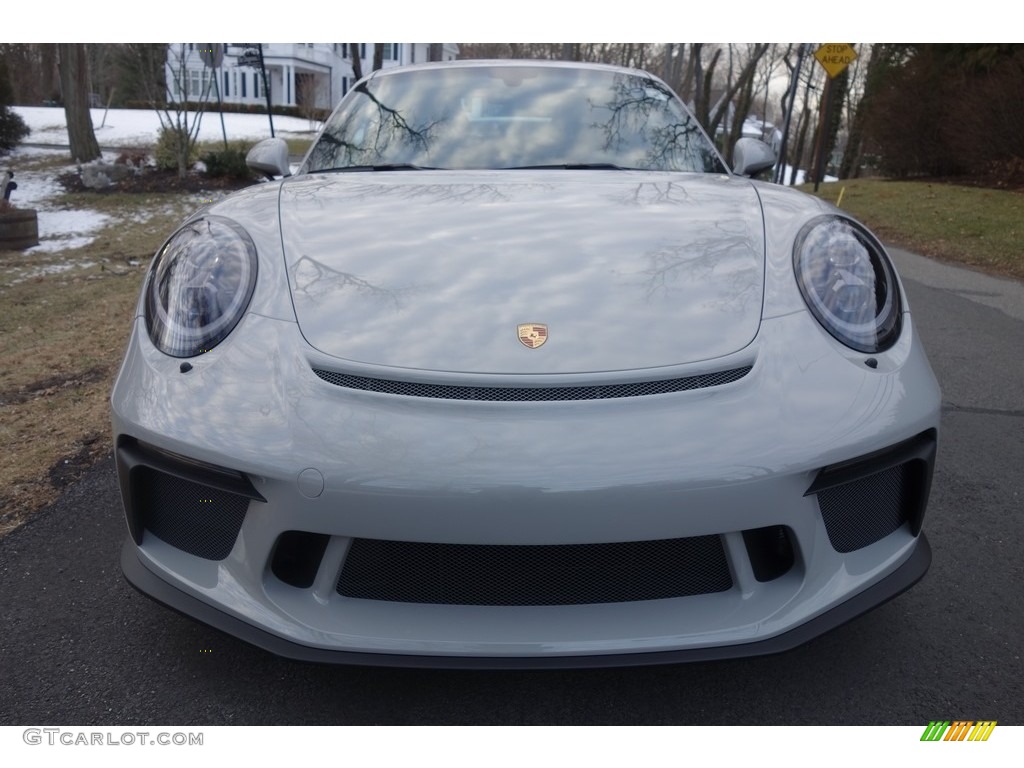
(525, 394)
(867, 510)
(297, 557)
(770, 550)
(866, 499)
(194, 518)
(551, 574)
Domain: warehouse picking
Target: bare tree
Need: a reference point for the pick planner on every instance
(355, 51)
(741, 107)
(173, 108)
(865, 84)
(74, 81)
(742, 82)
(814, 77)
(33, 69)
(357, 60)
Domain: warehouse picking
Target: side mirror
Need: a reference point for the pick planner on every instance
(751, 156)
(269, 157)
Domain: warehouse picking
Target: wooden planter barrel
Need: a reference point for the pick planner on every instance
(18, 230)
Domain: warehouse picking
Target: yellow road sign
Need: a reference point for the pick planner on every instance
(835, 57)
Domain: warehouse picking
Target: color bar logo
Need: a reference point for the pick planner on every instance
(958, 730)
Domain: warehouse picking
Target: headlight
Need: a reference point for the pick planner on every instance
(199, 286)
(848, 283)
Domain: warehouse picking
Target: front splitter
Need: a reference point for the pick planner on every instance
(151, 585)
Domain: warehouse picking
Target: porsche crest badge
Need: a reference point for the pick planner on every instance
(532, 335)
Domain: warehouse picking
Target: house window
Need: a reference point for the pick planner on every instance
(225, 83)
(362, 50)
(255, 85)
(193, 83)
(243, 85)
(344, 86)
(234, 83)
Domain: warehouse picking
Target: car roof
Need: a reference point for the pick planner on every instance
(534, 63)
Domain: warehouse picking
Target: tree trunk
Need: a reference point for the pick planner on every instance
(733, 87)
(702, 99)
(74, 80)
(798, 154)
(692, 73)
(741, 110)
(873, 82)
(837, 97)
(357, 62)
(378, 56)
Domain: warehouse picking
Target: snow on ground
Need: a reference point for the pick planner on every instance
(139, 127)
(34, 187)
(59, 228)
(801, 176)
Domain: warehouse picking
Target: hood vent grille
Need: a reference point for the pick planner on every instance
(532, 394)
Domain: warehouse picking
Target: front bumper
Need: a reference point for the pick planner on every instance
(900, 580)
(340, 466)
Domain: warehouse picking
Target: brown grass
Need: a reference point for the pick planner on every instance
(62, 337)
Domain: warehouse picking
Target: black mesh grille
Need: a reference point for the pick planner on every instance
(194, 518)
(520, 394)
(864, 511)
(549, 574)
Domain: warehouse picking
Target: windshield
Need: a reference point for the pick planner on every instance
(512, 117)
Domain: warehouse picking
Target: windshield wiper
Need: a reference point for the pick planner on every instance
(380, 167)
(572, 167)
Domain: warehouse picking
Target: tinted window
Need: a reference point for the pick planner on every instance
(509, 117)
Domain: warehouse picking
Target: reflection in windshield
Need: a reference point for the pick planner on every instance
(509, 117)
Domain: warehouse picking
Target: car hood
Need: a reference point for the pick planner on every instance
(436, 270)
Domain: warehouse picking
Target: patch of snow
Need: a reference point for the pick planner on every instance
(140, 127)
(59, 230)
(34, 187)
(801, 177)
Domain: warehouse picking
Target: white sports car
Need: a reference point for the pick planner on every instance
(515, 372)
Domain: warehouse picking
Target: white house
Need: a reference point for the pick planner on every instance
(300, 74)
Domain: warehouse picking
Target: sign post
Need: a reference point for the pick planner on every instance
(252, 56)
(834, 58)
